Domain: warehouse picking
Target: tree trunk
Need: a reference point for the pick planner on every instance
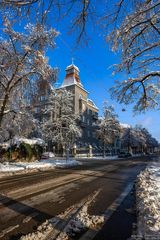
(3, 108)
(104, 150)
(67, 154)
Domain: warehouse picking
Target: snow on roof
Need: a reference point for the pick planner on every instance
(5, 145)
(72, 66)
(90, 102)
(100, 118)
(18, 140)
(125, 125)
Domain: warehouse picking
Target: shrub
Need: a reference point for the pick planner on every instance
(21, 152)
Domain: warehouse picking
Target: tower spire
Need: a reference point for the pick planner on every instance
(72, 61)
(72, 75)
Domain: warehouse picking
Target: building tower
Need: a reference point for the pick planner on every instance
(81, 104)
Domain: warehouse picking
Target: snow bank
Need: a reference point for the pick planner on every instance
(77, 224)
(148, 202)
(20, 166)
(6, 167)
(42, 231)
(82, 221)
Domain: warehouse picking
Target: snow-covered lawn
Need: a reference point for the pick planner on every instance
(48, 163)
(148, 202)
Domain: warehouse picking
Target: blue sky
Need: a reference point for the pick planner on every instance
(95, 61)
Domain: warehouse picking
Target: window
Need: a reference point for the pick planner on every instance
(94, 134)
(42, 97)
(88, 134)
(90, 111)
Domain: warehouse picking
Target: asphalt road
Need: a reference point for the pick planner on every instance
(28, 200)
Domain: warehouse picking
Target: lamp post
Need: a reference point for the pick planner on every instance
(90, 151)
(74, 150)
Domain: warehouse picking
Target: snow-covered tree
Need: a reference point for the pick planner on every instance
(59, 123)
(150, 141)
(20, 123)
(131, 138)
(137, 138)
(109, 127)
(22, 64)
(41, 11)
(137, 37)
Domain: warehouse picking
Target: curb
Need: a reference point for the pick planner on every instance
(91, 233)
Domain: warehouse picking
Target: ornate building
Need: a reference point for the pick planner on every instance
(82, 105)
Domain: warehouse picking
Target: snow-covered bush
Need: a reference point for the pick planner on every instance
(21, 149)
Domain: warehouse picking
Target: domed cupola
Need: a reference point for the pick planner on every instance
(72, 76)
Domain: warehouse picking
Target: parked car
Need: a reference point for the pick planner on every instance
(47, 155)
(128, 154)
(124, 155)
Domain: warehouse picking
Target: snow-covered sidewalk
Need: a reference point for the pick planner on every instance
(111, 157)
(148, 202)
(28, 166)
(114, 157)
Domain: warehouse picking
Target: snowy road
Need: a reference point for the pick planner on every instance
(28, 200)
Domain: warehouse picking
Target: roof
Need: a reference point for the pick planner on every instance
(71, 77)
(70, 81)
(72, 66)
(125, 125)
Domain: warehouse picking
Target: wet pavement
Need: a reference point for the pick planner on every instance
(28, 200)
